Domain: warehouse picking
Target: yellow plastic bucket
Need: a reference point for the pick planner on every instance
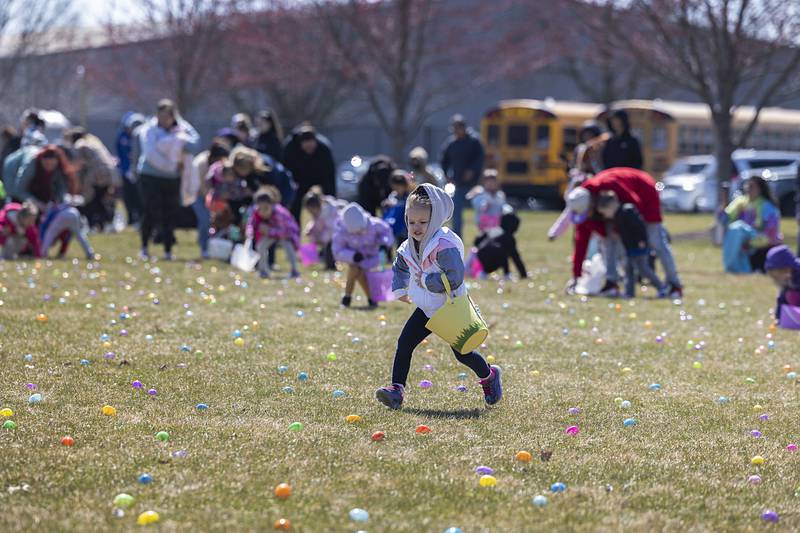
(459, 322)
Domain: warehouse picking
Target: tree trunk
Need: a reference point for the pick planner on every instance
(723, 149)
(399, 145)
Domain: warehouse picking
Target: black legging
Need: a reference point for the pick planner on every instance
(414, 333)
(160, 199)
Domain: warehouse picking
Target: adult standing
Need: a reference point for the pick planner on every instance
(270, 134)
(126, 163)
(622, 149)
(374, 187)
(462, 162)
(418, 164)
(309, 158)
(164, 140)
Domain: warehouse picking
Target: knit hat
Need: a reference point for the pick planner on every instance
(578, 200)
(779, 257)
(354, 217)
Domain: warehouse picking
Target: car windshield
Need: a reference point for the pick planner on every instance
(769, 163)
(686, 167)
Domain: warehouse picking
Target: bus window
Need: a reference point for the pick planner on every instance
(570, 136)
(659, 142)
(517, 167)
(543, 137)
(493, 135)
(517, 135)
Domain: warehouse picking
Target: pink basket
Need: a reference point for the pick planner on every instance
(309, 254)
(380, 285)
(475, 267)
(790, 317)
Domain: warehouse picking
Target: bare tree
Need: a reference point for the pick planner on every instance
(728, 53)
(285, 60)
(180, 44)
(412, 57)
(28, 28)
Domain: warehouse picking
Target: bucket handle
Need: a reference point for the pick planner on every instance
(447, 288)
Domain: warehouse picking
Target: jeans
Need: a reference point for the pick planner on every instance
(132, 199)
(67, 222)
(412, 335)
(263, 246)
(161, 198)
(203, 216)
(657, 241)
(459, 204)
(641, 264)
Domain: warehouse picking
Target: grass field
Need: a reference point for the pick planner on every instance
(683, 466)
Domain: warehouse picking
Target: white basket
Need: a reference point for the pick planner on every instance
(219, 248)
(244, 257)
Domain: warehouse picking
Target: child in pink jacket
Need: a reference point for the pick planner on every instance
(271, 223)
(357, 241)
(18, 232)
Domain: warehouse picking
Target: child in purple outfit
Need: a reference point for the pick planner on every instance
(357, 241)
(784, 269)
(270, 223)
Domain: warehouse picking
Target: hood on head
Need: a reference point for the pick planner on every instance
(441, 211)
(578, 200)
(354, 217)
(780, 257)
(623, 116)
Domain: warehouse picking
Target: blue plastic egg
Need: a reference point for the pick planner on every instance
(558, 487)
(144, 479)
(540, 501)
(359, 515)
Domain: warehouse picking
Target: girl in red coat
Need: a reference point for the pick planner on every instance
(18, 232)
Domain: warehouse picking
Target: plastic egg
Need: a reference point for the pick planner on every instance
(754, 479)
(296, 426)
(655, 387)
(462, 375)
(791, 375)
(697, 365)
(574, 410)
(755, 433)
(484, 470)
(67, 440)
(523, 457)
(490, 359)
(618, 400)
(352, 419)
(331, 357)
(283, 369)
(757, 460)
(136, 384)
(302, 376)
(145, 479)
(123, 500)
(461, 388)
(425, 384)
(539, 500)
(791, 448)
(41, 317)
(628, 422)
(9, 424)
(422, 428)
(283, 523)
(625, 404)
(558, 487)
(35, 398)
(238, 341)
(453, 530)
(6, 412)
(339, 394)
(487, 481)
(283, 491)
(148, 517)
(627, 370)
(287, 390)
(763, 417)
(378, 436)
(109, 411)
(201, 407)
(163, 436)
(770, 516)
(584, 355)
(572, 430)
(358, 515)
(152, 392)
(723, 399)
(85, 362)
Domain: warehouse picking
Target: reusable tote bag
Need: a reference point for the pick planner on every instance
(459, 322)
(244, 257)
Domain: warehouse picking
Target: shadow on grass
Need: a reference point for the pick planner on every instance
(457, 414)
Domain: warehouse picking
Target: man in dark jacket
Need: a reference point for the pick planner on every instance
(462, 163)
(310, 160)
(374, 187)
(622, 149)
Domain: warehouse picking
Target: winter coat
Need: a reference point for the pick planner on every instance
(460, 155)
(631, 186)
(368, 242)
(782, 257)
(499, 245)
(395, 215)
(622, 149)
(440, 251)
(14, 166)
(268, 143)
(282, 226)
(488, 209)
(11, 233)
(309, 170)
(630, 226)
(321, 228)
(760, 214)
(374, 186)
(99, 168)
(162, 150)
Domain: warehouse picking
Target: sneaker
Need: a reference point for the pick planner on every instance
(144, 255)
(294, 274)
(169, 256)
(675, 291)
(371, 304)
(610, 290)
(492, 386)
(391, 396)
(204, 255)
(663, 292)
(263, 275)
(346, 301)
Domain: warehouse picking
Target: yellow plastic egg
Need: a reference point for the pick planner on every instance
(488, 481)
(757, 460)
(490, 359)
(352, 419)
(6, 412)
(239, 341)
(148, 517)
(109, 411)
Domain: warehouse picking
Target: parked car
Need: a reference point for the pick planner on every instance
(350, 173)
(685, 190)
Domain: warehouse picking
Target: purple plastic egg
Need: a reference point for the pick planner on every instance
(461, 388)
(109, 355)
(770, 516)
(152, 392)
(765, 416)
(425, 384)
(574, 410)
(136, 384)
(484, 470)
(572, 430)
(754, 479)
(755, 433)
(31, 386)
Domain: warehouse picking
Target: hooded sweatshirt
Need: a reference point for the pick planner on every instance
(782, 257)
(440, 251)
(622, 149)
(321, 228)
(162, 150)
(358, 232)
(14, 239)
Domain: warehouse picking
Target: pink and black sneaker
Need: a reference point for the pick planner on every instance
(492, 386)
(391, 396)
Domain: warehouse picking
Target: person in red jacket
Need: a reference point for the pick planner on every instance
(18, 232)
(631, 186)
